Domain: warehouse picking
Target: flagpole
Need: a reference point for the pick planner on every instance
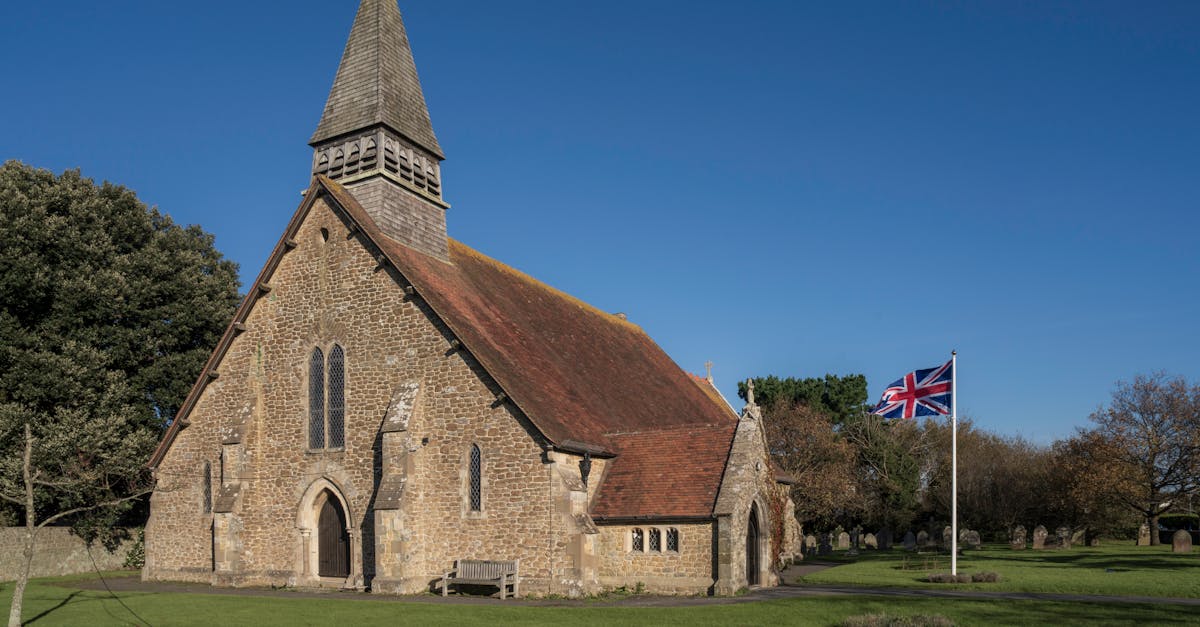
(954, 462)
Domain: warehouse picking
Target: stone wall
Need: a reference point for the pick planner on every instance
(56, 552)
(686, 571)
(252, 422)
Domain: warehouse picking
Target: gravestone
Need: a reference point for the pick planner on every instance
(1039, 537)
(972, 540)
(826, 546)
(1017, 543)
(1080, 536)
(843, 540)
(1181, 542)
(910, 541)
(1094, 542)
(947, 537)
(810, 543)
(884, 537)
(1144, 535)
(1064, 537)
(870, 541)
(922, 539)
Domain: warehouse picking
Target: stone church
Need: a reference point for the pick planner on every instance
(387, 401)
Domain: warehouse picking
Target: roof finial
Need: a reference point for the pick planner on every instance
(708, 372)
(750, 391)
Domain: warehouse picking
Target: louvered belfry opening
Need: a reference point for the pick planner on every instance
(337, 398)
(333, 540)
(316, 399)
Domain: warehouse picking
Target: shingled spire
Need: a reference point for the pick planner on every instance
(375, 136)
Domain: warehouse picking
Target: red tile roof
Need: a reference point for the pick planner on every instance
(577, 372)
(665, 473)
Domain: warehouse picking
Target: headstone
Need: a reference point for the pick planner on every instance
(810, 543)
(855, 537)
(922, 538)
(1144, 535)
(1094, 542)
(1039, 537)
(1064, 537)
(947, 537)
(972, 540)
(910, 541)
(1017, 543)
(826, 546)
(884, 537)
(1181, 542)
(870, 541)
(1080, 536)
(843, 540)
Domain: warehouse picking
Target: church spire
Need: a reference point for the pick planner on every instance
(375, 136)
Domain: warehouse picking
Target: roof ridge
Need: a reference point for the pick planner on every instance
(525, 277)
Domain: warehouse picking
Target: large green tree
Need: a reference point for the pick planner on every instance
(840, 397)
(108, 311)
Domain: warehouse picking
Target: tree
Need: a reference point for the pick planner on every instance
(108, 311)
(840, 397)
(803, 442)
(889, 458)
(1144, 450)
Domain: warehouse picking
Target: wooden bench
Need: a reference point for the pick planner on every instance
(485, 573)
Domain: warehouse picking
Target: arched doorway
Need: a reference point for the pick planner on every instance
(333, 539)
(752, 548)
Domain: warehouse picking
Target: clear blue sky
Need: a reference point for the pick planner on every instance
(781, 187)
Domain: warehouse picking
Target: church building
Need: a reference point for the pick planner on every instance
(387, 401)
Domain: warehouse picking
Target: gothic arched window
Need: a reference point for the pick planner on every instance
(337, 397)
(475, 474)
(316, 399)
(673, 540)
(206, 488)
(327, 399)
(637, 541)
(656, 539)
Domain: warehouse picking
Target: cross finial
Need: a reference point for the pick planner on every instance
(708, 371)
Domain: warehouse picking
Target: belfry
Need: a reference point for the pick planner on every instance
(375, 136)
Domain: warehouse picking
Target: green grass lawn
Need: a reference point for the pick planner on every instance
(1111, 569)
(56, 602)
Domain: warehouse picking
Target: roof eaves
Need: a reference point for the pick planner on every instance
(239, 317)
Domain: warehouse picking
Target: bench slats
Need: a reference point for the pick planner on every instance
(486, 572)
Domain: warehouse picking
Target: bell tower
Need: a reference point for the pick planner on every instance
(375, 136)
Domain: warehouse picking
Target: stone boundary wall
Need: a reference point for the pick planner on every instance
(56, 552)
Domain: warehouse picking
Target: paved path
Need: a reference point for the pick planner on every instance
(132, 583)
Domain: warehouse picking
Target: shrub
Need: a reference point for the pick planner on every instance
(884, 620)
(985, 577)
(136, 557)
(948, 578)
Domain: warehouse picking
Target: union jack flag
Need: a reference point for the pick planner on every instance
(923, 392)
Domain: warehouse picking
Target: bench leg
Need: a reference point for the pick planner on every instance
(445, 588)
(503, 589)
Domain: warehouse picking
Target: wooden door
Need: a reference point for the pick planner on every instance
(333, 541)
(752, 548)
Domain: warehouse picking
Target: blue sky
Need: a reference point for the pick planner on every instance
(780, 187)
